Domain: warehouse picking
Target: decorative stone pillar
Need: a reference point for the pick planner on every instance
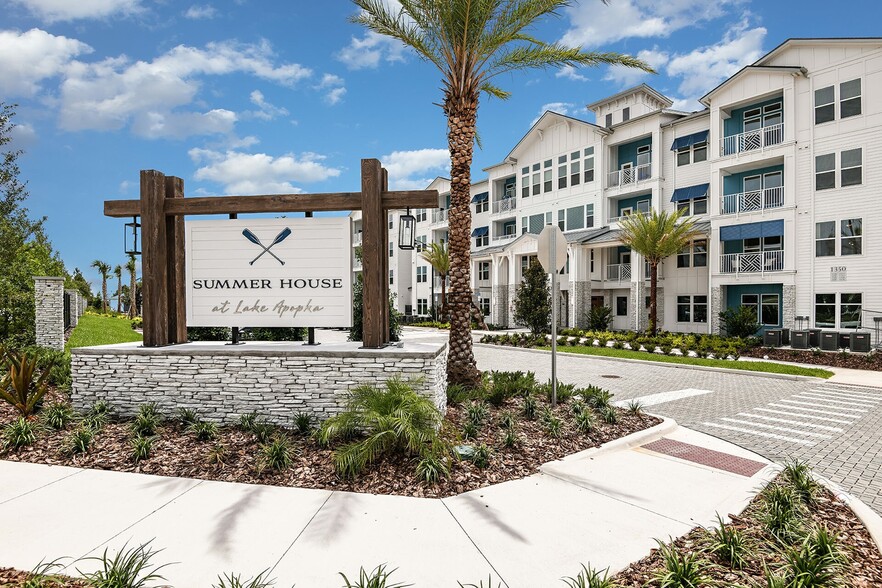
(635, 307)
(788, 307)
(73, 306)
(716, 307)
(49, 311)
(512, 293)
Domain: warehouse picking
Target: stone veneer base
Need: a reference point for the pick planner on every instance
(221, 382)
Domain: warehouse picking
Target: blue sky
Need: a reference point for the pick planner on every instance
(266, 96)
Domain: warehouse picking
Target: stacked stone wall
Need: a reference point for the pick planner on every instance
(49, 312)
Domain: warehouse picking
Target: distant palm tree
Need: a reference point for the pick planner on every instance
(131, 267)
(472, 42)
(437, 256)
(656, 236)
(117, 271)
(104, 270)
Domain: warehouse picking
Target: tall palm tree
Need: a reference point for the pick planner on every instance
(471, 42)
(437, 256)
(131, 267)
(117, 271)
(104, 270)
(656, 236)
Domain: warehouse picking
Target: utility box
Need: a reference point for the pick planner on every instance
(844, 340)
(799, 339)
(860, 342)
(772, 338)
(814, 337)
(829, 340)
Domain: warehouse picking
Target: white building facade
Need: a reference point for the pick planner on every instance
(780, 172)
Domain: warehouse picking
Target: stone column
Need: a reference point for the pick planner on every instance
(716, 307)
(788, 307)
(73, 306)
(512, 293)
(49, 311)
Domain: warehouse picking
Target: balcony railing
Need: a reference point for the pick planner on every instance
(752, 263)
(439, 216)
(752, 140)
(615, 219)
(356, 239)
(505, 237)
(618, 272)
(505, 205)
(753, 200)
(630, 175)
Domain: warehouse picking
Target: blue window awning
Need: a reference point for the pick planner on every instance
(689, 140)
(690, 193)
(752, 231)
(481, 232)
(480, 197)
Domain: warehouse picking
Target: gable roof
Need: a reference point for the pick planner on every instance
(635, 90)
(814, 41)
(543, 122)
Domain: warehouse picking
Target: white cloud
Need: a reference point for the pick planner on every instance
(64, 10)
(370, 50)
(333, 86)
(592, 24)
(124, 186)
(26, 59)
(22, 136)
(570, 72)
(266, 110)
(705, 67)
(404, 165)
(563, 108)
(629, 76)
(334, 96)
(197, 12)
(259, 173)
(179, 125)
(111, 93)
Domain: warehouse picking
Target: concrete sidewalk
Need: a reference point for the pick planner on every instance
(603, 506)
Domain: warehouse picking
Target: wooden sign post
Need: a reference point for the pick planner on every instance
(162, 208)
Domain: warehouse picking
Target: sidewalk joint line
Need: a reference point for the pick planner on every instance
(472, 541)
(31, 491)
(302, 531)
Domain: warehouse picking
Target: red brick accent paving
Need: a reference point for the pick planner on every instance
(709, 457)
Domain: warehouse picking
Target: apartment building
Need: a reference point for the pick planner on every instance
(779, 171)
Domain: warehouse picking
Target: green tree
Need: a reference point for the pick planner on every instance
(104, 270)
(533, 300)
(117, 271)
(78, 282)
(472, 42)
(436, 255)
(656, 236)
(356, 331)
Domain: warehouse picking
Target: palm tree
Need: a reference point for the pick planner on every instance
(117, 271)
(471, 42)
(438, 258)
(104, 270)
(131, 267)
(656, 236)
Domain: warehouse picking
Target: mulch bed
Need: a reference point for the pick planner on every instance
(176, 452)
(856, 361)
(863, 569)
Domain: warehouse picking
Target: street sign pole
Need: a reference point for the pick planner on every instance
(553, 327)
(552, 246)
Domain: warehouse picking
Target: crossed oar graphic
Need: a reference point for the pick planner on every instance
(279, 238)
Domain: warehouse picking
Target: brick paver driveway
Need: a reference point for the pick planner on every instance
(836, 428)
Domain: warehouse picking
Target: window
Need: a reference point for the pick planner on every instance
(546, 176)
(699, 206)
(824, 105)
(683, 257)
(391, 249)
(525, 224)
(421, 215)
(588, 164)
(420, 243)
(482, 205)
(751, 301)
(391, 277)
(825, 239)
(483, 240)
(621, 306)
(699, 309)
(691, 309)
(849, 311)
(591, 261)
(391, 222)
(575, 218)
(699, 152)
(626, 114)
(422, 274)
(608, 120)
(850, 161)
(484, 271)
(526, 260)
(589, 217)
(850, 98)
(562, 172)
(851, 232)
(825, 171)
(770, 309)
(575, 165)
(683, 154)
(484, 304)
(536, 175)
(562, 219)
(699, 253)
(422, 306)
(525, 182)
(825, 311)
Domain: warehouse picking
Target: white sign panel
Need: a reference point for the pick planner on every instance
(269, 272)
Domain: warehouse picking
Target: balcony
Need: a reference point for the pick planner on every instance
(618, 272)
(755, 140)
(615, 219)
(505, 237)
(439, 216)
(629, 175)
(505, 205)
(752, 263)
(753, 201)
(356, 239)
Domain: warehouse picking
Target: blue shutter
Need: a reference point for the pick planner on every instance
(689, 140)
(481, 232)
(690, 193)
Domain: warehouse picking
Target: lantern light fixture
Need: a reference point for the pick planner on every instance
(130, 237)
(407, 231)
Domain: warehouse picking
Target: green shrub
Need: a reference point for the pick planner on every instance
(209, 334)
(80, 439)
(781, 513)
(634, 408)
(739, 321)
(609, 415)
(532, 303)
(19, 433)
(432, 468)
(470, 430)
(236, 581)
(22, 385)
(277, 454)
(378, 578)
(730, 544)
(599, 318)
(137, 323)
(586, 422)
(482, 455)
(263, 431)
(816, 563)
(457, 394)
(146, 421)
(564, 391)
(477, 412)
(57, 415)
(130, 568)
(505, 420)
(55, 361)
(680, 569)
(529, 407)
(481, 584)
(798, 477)
(303, 423)
(217, 455)
(43, 575)
(596, 397)
(393, 420)
(247, 422)
(505, 385)
(187, 416)
(141, 447)
(510, 437)
(204, 431)
(590, 578)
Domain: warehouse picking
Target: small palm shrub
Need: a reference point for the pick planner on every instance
(481, 457)
(217, 455)
(395, 419)
(129, 568)
(529, 407)
(586, 422)
(19, 433)
(781, 513)
(80, 439)
(634, 408)
(187, 416)
(505, 420)
(247, 422)
(20, 386)
(729, 543)
(235, 581)
(477, 412)
(277, 453)
(505, 385)
(58, 415)
(797, 476)
(141, 447)
(204, 430)
(303, 423)
(564, 391)
(609, 415)
(590, 578)
(432, 468)
(510, 438)
(377, 578)
(146, 421)
(680, 569)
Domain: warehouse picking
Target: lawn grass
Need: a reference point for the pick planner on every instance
(101, 329)
(750, 366)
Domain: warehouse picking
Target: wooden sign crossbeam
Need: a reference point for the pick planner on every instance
(162, 207)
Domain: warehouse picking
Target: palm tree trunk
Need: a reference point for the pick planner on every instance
(133, 311)
(653, 292)
(119, 293)
(443, 297)
(104, 294)
(462, 116)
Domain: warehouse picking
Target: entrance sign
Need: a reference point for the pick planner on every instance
(288, 272)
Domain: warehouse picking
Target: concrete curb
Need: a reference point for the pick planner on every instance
(627, 442)
(871, 520)
(673, 365)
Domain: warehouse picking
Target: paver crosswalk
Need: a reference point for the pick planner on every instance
(804, 418)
